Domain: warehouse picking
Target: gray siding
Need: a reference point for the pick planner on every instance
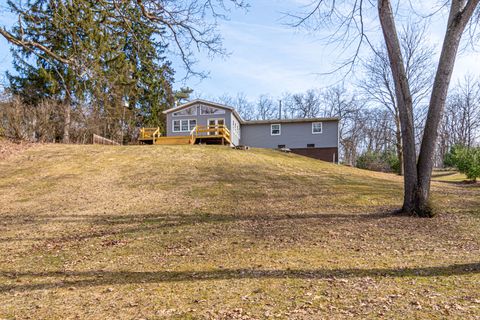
(293, 135)
(235, 134)
(201, 120)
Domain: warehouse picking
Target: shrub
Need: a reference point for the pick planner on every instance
(466, 160)
(379, 161)
(449, 160)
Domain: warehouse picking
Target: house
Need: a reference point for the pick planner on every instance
(201, 121)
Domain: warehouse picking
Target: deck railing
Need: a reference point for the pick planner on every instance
(219, 130)
(149, 133)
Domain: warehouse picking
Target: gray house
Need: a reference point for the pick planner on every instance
(201, 121)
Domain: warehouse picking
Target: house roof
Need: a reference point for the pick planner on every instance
(222, 106)
(212, 104)
(272, 121)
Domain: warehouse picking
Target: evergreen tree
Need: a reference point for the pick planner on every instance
(113, 60)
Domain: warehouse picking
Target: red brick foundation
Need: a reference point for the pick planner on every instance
(325, 154)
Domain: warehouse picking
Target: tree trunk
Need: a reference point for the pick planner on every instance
(417, 176)
(459, 16)
(66, 124)
(404, 101)
(398, 137)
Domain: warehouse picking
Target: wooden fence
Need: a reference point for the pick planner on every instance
(101, 140)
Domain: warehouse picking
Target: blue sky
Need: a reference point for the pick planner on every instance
(268, 57)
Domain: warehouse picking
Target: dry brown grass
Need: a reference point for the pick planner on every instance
(10, 148)
(179, 232)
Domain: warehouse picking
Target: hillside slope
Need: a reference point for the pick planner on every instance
(211, 232)
(201, 178)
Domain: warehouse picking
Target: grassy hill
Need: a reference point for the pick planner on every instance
(208, 232)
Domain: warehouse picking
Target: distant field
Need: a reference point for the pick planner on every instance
(202, 232)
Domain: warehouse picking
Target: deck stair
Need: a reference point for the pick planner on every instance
(149, 135)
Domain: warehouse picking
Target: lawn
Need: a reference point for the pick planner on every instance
(202, 232)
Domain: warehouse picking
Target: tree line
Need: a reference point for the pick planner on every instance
(369, 126)
(86, 67)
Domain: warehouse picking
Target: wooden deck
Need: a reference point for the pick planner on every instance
(213, 134)
(148, 135)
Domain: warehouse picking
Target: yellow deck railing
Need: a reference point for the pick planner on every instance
(213, 131)
(149, 133)
(219, 131)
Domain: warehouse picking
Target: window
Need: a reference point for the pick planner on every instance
(186, 125)
(311, 145)
(176, 126)
(192, 111)
(281, 146)
(316, 127)
(193, 124)
(275, 129)
(235, 127)
(210, 110)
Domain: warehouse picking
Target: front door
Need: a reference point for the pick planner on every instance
(214, 123)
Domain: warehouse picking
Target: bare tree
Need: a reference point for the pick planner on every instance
(461, 122)
(288, 106)
(266, 108)
(338, 102)
(40, 124)
(351, 134)
(377, 130)
(306, 105)
(378, 84)
(464, 110)
(348, 16)
(240, 102)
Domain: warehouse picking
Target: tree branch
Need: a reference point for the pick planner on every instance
(31, 44)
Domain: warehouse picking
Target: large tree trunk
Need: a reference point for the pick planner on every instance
(398, 136)
(404, 101)
(417, 176)
(66, 124)
(460, 13)
(399, 145)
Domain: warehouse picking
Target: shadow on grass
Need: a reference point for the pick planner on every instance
(464, 183)
(116, 225)
(103, 278)
(439, 174)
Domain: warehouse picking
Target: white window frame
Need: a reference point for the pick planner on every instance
(189, 124)
(216, 121)
(321, 127)
(279, 129)
(181, 120)
(185, 115)
(173, 126)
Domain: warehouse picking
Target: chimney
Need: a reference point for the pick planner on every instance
(280, 109)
